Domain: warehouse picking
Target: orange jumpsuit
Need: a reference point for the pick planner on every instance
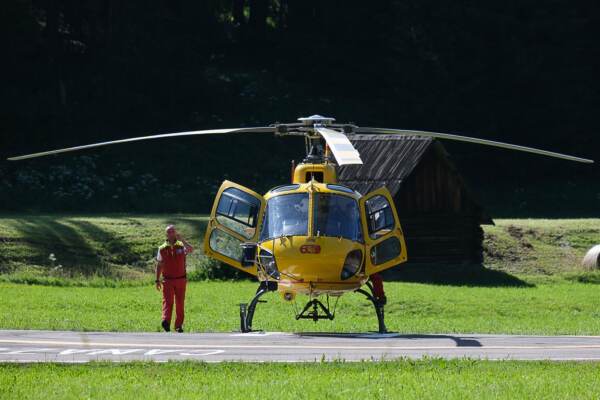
(377, 286)
(173, 258)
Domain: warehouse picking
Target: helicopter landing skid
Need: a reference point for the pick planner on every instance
(314, 314)
(247, 310)
(378, 307)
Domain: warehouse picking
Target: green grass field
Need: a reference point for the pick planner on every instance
(97, 249)
(539, 246)
(546, 308)
(460, 379)
(90, 273)
(118, 247)
(100, 278)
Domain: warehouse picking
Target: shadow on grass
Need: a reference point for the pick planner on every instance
(46, 235)
(590, 277)
(115, 248)
(198, 226)
(80, 247)
(457, 275)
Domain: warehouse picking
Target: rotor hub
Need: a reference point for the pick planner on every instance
(316, 120)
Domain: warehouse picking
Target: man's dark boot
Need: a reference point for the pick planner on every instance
(166, 325)
(179, 329)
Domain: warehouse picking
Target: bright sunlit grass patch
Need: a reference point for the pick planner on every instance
(457, 379)
(559, 307)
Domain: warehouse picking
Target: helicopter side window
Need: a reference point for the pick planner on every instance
(238, 211)
(226, 244)
(340, 188)
(380, 217)
(337, 216)
(386, 251)
(284, 188)
(286, 215)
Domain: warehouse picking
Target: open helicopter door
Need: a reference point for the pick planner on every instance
(385, 246)
(234, 219)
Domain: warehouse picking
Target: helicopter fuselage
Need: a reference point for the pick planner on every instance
(313, 263)
(310, 237)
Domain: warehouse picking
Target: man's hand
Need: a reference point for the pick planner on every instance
(188, 247)
(158, 285)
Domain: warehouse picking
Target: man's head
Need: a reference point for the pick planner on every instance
(171, 233)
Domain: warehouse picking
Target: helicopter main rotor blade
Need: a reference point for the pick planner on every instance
(343, 151)
(473, 140)
(268, 129)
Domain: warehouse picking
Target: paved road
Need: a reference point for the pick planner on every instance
(40, 346)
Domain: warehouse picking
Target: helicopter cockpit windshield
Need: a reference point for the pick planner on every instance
(286, 215)
(337, 216)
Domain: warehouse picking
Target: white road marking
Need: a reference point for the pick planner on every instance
(69, 352)
(157, 352)
(210, 353)
(114, 352)
(27, 351)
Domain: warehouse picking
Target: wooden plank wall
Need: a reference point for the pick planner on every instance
(443, 239)
(440, 220)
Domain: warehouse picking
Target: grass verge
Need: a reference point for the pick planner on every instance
(459, 379)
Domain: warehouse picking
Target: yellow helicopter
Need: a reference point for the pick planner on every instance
(312, 236)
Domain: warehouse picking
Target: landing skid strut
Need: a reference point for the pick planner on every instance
(378, 307)
(247, 310)
(314, 314)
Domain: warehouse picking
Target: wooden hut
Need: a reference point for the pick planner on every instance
(440, 217)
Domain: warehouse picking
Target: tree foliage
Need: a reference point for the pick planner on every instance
(92, 70)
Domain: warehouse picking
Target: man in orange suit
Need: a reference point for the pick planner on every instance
(171, 264)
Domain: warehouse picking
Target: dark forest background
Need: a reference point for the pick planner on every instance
(81, 71)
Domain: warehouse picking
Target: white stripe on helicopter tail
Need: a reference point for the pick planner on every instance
(343, 151)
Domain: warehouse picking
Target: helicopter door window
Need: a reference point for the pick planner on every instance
(238, 211)
(386, 251)
(379, 216)
(286, 215)
(225, 244)
(337, 216)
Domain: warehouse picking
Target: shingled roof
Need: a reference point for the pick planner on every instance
(387, 161)
(392, 161)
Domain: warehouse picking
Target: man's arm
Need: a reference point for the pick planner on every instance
(159, 267)
(189, 249)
